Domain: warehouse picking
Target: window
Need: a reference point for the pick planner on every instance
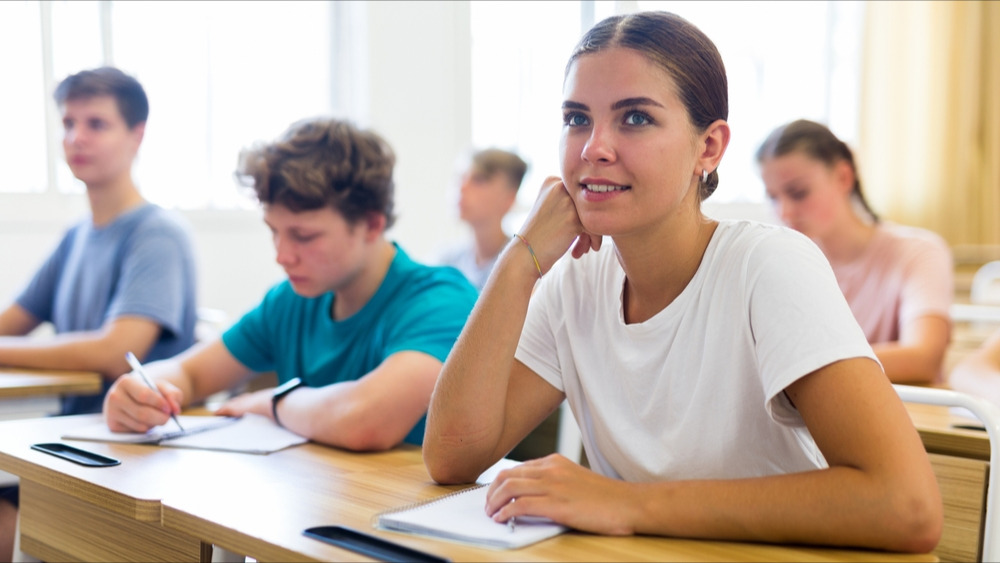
(519, 51)
(219, 77)
(784, 60)
(23, 107)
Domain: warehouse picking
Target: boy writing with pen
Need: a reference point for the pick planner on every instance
(141, 373)
(357, 333)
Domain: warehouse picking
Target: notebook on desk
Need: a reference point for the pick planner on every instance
(250, 433)
(461, 517)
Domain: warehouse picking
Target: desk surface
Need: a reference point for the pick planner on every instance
(259, 505)
(354, 498)
(17, 382)
(937, 427)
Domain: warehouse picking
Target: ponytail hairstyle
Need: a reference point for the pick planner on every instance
(818, 143)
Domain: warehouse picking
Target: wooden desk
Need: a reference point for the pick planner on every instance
(960, 459)
(16, 382)
(237, 524)
(27, 393)
(173, 504)
(938, 429)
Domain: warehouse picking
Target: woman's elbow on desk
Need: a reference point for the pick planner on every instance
(448, 464)
(916, 523)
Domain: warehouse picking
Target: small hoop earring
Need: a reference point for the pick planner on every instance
(704, 175)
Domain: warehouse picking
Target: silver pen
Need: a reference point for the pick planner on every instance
(511, 524)
(137, 367)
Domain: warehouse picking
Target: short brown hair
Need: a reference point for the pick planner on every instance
(493, 161)
(686, 54)
(323, 162)
(133, 105)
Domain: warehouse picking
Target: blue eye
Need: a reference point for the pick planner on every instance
(637, 118)
(575, 119)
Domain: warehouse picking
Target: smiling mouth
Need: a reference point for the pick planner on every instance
(604, 188)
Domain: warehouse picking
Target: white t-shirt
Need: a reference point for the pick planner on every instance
(695, 391)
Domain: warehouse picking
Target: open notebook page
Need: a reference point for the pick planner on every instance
(250, 433)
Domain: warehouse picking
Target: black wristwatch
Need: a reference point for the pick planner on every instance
(280, 392)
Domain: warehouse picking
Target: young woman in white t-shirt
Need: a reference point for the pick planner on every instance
(721, 384)
(897, 279)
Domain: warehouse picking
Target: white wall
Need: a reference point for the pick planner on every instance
(420, 100)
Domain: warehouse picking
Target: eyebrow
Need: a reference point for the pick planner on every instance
(631, 102)
(620, 104)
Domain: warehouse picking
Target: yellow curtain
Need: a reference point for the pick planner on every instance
(929, 136)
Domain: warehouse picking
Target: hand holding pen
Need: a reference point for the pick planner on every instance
(137, 367)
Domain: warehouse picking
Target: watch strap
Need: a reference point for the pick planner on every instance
(280, 392)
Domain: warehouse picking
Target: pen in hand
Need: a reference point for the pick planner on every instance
(512, 522)
(137, 367)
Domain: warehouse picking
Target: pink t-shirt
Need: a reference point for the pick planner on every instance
(905, 273)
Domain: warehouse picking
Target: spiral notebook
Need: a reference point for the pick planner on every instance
(461, 517)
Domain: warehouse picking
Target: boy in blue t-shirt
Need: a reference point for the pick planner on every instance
(120, 280)
(358, 332)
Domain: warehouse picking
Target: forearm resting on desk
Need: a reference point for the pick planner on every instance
(909, 364)
(839, 506)
(102, 351)
(918, 355)
(373, 413)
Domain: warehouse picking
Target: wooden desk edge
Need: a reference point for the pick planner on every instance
(143, 510)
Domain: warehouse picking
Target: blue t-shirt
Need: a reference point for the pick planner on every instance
(417, 307)
(141, 264)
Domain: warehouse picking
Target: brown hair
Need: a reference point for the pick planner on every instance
(817, 142)
(686, 54)
(323, 162)
(133, 105)
(493, 161)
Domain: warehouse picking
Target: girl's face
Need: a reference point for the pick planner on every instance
(629, 150)
(807, 194)
(318, 249)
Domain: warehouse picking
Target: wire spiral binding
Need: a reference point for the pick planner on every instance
(376, 519)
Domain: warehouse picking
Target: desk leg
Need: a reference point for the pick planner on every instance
(55, 526)
(223, 555)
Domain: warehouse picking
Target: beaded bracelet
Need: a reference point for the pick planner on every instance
(532, 252)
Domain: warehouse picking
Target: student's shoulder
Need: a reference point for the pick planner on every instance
(743, 237)
(153, 219)
(907, 236)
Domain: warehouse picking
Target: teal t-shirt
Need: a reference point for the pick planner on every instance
(417, 307)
